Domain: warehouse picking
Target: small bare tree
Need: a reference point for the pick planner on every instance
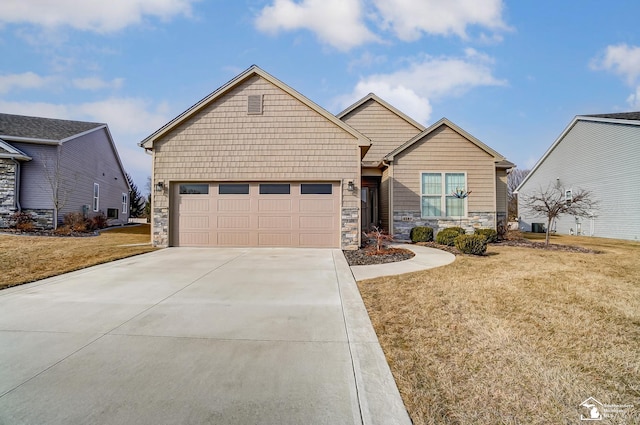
(514, 179)
(61, 185)
(555, 201)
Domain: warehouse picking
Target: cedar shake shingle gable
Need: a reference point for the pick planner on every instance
(36, 128)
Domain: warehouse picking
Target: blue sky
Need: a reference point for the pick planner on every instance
(512, 73)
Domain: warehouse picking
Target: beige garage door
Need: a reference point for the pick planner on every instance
(295, 214)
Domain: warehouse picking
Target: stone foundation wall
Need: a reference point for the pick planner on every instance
(43, 217)
(349, 230)
(404, 221)
(7, 187)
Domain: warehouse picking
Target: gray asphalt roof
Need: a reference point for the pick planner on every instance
(619, 116)
(42, 128)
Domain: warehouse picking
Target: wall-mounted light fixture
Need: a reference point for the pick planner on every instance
(159, 186)
(350, 186)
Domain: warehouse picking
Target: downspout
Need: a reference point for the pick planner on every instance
(16, 192)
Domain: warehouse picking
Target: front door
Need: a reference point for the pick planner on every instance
(370, 203)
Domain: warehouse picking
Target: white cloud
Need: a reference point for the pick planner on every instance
(408, 19)
(343, 24)
(26, 80)
(413, 89)
(634, 99)
(96, 83)
(129, 119)
(90, 15)
(622, 60)
(338, 23)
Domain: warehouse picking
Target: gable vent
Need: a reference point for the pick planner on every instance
(254, 104)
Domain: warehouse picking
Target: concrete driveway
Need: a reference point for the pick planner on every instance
(195, 336)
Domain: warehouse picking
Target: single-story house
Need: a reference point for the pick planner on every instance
(51, 167)
(601, 154)
(255, 163)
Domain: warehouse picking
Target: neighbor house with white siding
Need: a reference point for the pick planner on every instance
(256, 163)
(51, 167)
(598, 153)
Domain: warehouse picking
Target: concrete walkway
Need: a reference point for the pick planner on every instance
(425, 258)
(196, 336)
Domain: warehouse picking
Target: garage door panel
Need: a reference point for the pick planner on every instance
(274, 205)
(274, 223)
(234, 238)
(274, 239)
(194, 222)
(234, 222)
(321, 223)
(217, 217)
(188, 238)
(195, 205)
(318, 205)
(233, 205)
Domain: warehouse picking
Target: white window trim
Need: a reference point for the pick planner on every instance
(444, 195)
(96, 197)
(125, 202)
(568, 197)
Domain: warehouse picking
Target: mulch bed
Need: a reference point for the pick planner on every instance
(551, 247)
(50, 233)
(367, 256)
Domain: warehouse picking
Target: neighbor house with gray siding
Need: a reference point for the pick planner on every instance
(256, 163)
(51, 167)
(598, 153)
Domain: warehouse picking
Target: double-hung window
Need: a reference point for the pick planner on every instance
(125, 202)
(96, 197)
(442, 194)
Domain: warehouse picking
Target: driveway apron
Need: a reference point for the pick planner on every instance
(196, 336)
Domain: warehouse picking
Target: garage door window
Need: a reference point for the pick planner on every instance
(233, 189)
(316, 189)
(194, 189)
(275, 189)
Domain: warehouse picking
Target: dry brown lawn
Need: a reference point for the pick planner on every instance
(28, 258)
(520, 336)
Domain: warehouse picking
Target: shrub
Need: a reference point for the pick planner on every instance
(22, 220)
(75, 221)
(98, 221)
(447, 236)
(460, 230)
(63, 230)
(421, 234)
(471, 244)
(490, 234)
(380, 237)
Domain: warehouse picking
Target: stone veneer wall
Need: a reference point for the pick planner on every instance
(43, 217)
(161, 226)
(404, 221)
(7, 190)
(349, 230)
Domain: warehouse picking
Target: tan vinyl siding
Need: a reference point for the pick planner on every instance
(501, 191)
(386, 130)
(444, 150)
(223, 142)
